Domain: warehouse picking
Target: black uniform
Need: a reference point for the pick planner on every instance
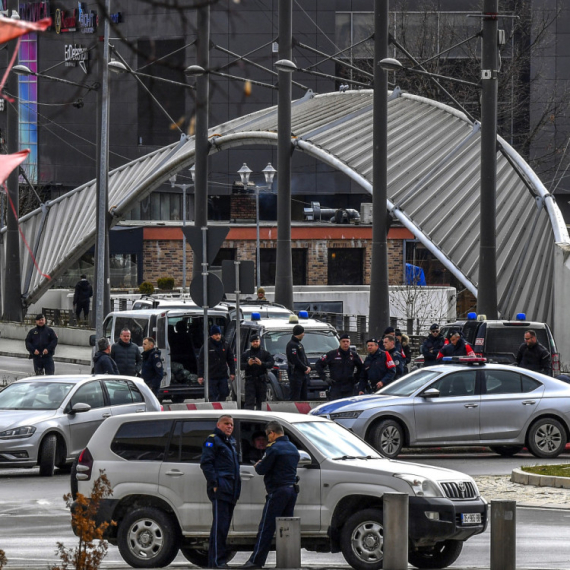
(40, 339)
(407, 354)
(535, 358)
(279, 467)
(83, 292)
(104, 364)
(220, 358)
(399, 361)
(256, 377)
(128, 357)
(461, 348)
(377, 367)
(430, 349)
(152, 370)
(298, 364)
(345, 367)
(220, 464)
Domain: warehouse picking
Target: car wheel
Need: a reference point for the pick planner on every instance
(200, 557)
(388, 438)
(547, 438)
(362, 540)
(178, 399)
(441, 555)
(507, 450)
(148, 538)
(47, 455)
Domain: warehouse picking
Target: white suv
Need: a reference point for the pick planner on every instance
(160, 504)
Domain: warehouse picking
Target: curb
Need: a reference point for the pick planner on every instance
(523, 478)
(55, 358)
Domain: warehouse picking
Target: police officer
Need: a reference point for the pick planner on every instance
(299, 367)
(40, 343)
(432, 345)
(344, 368)
(456, 346)
(389, 342)
(534, 356)
(152, 370)
(378, 369)
(256, 362)
(220, 464)
(220, 359)
(279, 467)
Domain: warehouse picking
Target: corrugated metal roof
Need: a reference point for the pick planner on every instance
(433, 189)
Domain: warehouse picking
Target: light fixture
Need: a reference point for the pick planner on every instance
(269, 173)
(244, 173)
(390, 64)
(194, 71)
(22, 70)
(117, 66)
(285, 65)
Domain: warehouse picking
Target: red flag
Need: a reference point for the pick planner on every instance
(11, 29)
(10, 161)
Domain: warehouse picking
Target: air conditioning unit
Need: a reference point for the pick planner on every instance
(366, 213)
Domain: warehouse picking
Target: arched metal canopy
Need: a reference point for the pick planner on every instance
(433, 189)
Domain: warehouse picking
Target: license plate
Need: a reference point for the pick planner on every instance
(471, 518)
(322, 394)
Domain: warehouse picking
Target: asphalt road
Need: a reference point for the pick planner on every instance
(13, 364)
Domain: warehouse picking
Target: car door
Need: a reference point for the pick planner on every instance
(123, 400)
(83, 425)
(508, 400)
(453, 416)
(181, 481)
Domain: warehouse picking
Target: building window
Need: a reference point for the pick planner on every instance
(346, 266)
(224, 254)
(268, 259)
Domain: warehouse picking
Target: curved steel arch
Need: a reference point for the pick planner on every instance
(433, 188)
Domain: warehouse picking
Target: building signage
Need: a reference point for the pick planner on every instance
(87, 20)
(64, 22)
(76, 55)
(116, 18)
(34, 11)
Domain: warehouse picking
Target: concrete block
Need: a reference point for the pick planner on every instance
(534, 479)
(519, 476)
(546, 481)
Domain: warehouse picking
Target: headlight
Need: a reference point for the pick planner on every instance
(345, 415)
(26, 431)
(421, 486)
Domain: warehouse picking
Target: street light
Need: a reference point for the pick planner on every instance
(26, 71)
(269, 173)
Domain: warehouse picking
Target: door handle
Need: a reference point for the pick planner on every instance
(107, 415)
(174, 473)
(141, 410)
(471, 405)
(246, 475)
(529, 402)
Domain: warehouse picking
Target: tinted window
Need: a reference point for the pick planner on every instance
(508, 339)
(316, 343)
(137, 326)
(142, 441)
(34, 396)
(503, 382)
(456, 384)
(188, 439)
(91, 394)
(529, 384)
(135, 392)
(119, 393)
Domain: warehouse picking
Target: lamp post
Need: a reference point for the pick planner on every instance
(269, 173)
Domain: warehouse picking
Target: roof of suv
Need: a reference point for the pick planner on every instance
(281, 324)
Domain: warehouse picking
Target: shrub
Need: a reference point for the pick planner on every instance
(146, 288)
(165, 283)
(3, 559)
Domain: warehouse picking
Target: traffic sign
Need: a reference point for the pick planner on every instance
(215, 239)
(246, 277)
(215, 290)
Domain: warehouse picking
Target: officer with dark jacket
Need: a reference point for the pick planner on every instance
(378, 369)
(256, 362)
(279, 468)
(40, 343)
(220, 464)
(389, 342)
(344, 367)
(392, 331)
(102, 361)
(534, 356)
(432, 345)
(127, 355)
(406, 351)
(83, 292)
(152, 370)
(456, 347)
(220, 359)
(299, 367)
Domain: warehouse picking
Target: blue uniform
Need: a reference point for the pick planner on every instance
(220, 464)
(279, 467)
(152, 370)
(40, 339)
(377, 367)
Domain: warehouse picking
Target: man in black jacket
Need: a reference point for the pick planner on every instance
(220, 359)
(432, 345)
(83, 292)
(127, 355)
(299, 367)
(378, 369)
(152, 370)
(534, 356)
(40, 343)
(344, 369)
(389, 342)
(256, 362)
(456, 347)
(220, 464)
(102, 361)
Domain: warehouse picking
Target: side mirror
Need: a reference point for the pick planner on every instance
(79, 408)
(305, 459)
(93, 340)
(431, 393)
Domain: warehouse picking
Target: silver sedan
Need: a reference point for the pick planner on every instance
(48, 420)
(502, 407)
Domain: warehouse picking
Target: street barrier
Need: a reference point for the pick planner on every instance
(503, 535)
(288, 542)
(292, 407)
(395, 531)
(200, 406)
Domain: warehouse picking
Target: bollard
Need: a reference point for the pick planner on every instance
(396, 531)
(503, 535)
(288, 542)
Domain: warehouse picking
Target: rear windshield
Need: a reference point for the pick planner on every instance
(508, 339)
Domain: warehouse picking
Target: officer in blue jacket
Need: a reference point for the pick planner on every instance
(40, 343)
(220, 464)
(279, 468)
(152, 370)
(378, 369)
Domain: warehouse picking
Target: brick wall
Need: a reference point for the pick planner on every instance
(242, 207)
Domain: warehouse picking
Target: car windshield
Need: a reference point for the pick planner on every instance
(316, 343)
(407, 385)
(34, 395)
(336, 442)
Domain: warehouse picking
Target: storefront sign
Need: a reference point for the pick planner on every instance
(116, 18)
(76, 55)
(63, 22)
(87, 19)
(34, 11)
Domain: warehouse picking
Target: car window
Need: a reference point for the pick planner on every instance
(456, 384)
(187, 440)
(142, 441)
(508, 339)
(91, 394)
(316, 343)
(529, 384)
(135, 392)
(34, 396)
(502, 382)
(119, 392)
(137, 325)
(409, 384)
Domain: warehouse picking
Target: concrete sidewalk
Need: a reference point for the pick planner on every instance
(63, 353)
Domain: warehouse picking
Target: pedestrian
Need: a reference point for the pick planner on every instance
(299, 367)
(40, 343)
(406, 351)
(102, 361)
(256, 361)
(152, 370)
(389, 342)
(534, 356)
(257, 447)
(344, 367)
(261, 294)
(392, 331)
(83, 292)
(221, 365)
(127, 355)
(378, 369)
(432, 345)
(279, 468)
(220, 464)
(456, 347)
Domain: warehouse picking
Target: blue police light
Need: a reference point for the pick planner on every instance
(303, 315)
(521, 316)
(255, 317)
(471, 316)
(447, 359)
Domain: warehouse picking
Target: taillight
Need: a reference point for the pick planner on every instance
(161, 408)
(555, 363)
(84, 465)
